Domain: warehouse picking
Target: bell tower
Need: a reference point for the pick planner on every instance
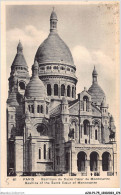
(19, 70)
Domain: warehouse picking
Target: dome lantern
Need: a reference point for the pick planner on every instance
(53, 21)
(35, 69)
(94, 75)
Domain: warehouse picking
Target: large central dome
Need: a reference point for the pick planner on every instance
(56, 65)
(53, 49)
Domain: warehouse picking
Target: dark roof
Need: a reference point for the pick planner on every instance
(19, 60)
(53, 49)
(72, 102)
(12, 99)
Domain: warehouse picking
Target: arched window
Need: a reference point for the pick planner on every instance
(62, 68)
(68, 91)
(55, 67)
(44, 151)
(86, 104)
(48, 67)
(55, 89)
(86, 127)
(72, 92)
(38, 109)
(32, 108)
(29, 108)
(95, 134)
(49, 153)
(62, 90)
(22, 85)
(39, 153)
(48, 89)
(41, 109)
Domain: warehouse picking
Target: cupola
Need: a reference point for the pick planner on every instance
(35, 87)
(96, 92)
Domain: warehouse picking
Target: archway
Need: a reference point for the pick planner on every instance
(94, 161)
(106, 161)
(22, 85)
(81, 158)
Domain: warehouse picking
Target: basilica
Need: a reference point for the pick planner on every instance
(51, 131)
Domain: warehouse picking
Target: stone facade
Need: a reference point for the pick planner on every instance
(49, 131)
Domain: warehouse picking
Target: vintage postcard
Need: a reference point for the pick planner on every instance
(60, 94)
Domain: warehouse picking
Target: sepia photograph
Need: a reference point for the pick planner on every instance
(61, 94)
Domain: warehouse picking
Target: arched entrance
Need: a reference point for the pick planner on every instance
(94, 161)
(81, 158)
(106, 161)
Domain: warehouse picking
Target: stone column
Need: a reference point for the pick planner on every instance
(89, 106)
(82, 130)
(59, 89)
(87, 166)
(73, 158)
(35, 107)
(52, 89)
(65, 90)
(90, 133)
(99, 134)
(26, 106)
(110, 165)
(99, 164)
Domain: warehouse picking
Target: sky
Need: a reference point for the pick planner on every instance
(90, 31)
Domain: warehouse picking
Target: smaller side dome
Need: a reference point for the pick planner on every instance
(35, 87)
(95, 90)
